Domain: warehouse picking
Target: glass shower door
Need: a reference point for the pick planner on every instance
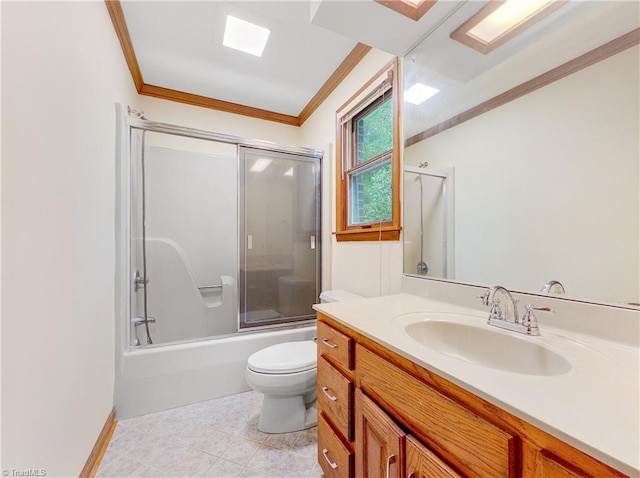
(279, 237)
(184, 238)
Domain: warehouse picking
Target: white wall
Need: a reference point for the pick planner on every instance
(62, 72)
(366, 268)
(218, 121)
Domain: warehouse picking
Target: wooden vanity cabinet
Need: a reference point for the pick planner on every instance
(478, 447)
(379, 441)
(392, 417)
(335, 402)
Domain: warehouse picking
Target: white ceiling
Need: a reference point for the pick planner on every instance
(178, 44)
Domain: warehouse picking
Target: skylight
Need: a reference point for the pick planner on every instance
(509, 15)
(419, 93)
(499, 21)
(245, 36)
(413, 9)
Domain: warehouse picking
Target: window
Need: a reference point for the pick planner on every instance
(368, 162)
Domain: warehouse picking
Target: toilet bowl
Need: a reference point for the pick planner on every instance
(286, 374)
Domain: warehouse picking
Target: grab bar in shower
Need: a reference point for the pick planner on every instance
(214, 286)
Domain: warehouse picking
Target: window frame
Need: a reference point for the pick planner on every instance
(360, 102)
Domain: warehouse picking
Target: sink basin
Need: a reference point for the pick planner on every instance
(488, 348)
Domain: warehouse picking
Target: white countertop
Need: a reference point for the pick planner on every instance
(595, 406)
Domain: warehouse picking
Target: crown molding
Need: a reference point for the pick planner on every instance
(120, 25)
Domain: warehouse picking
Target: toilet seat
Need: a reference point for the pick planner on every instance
(289, 357)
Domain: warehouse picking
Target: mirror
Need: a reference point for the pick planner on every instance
(541, 181)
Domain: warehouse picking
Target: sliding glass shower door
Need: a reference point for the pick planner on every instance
(279, 237)
(223, 236)
(184, 245)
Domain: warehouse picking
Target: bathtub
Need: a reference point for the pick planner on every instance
(158, 378)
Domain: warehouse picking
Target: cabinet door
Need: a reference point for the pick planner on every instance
(379, 441)
(422, 463)
(550, 467)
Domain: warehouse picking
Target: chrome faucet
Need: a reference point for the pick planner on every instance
(510, 320)
(511, 306)
(553, 286)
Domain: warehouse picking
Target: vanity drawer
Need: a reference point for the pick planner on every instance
(335, 397)
(460, 436)
(335, 345)
(335, 459)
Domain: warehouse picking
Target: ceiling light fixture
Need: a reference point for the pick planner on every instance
(245, 36)
(419, 93)
(413, 9)
(499, 21)
(260, 165)
(413, 3)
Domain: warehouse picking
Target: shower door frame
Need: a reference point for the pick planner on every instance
(243, 324)
(124, 280)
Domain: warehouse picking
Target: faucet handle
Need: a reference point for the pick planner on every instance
(530, 308)
(529, 320)
(484, 298)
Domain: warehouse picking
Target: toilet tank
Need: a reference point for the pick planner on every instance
(338, 295)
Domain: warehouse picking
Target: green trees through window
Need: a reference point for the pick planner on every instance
(371, 186)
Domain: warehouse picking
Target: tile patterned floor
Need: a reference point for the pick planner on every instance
(216, 438)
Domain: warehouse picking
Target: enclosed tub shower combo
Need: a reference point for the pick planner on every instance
(219, 239)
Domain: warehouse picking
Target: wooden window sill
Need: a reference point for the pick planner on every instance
(388, 233)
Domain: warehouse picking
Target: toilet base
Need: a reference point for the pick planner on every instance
(287, 414)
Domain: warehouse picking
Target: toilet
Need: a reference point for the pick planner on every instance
(286, 374)
(295, 295)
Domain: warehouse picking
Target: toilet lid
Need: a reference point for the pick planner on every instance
(287, 357)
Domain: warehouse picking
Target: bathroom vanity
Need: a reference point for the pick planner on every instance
(395, 403)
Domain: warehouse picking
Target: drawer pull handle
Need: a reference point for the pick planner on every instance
(329, 396)
(329, 344)
(390, 459)
(325, 453)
